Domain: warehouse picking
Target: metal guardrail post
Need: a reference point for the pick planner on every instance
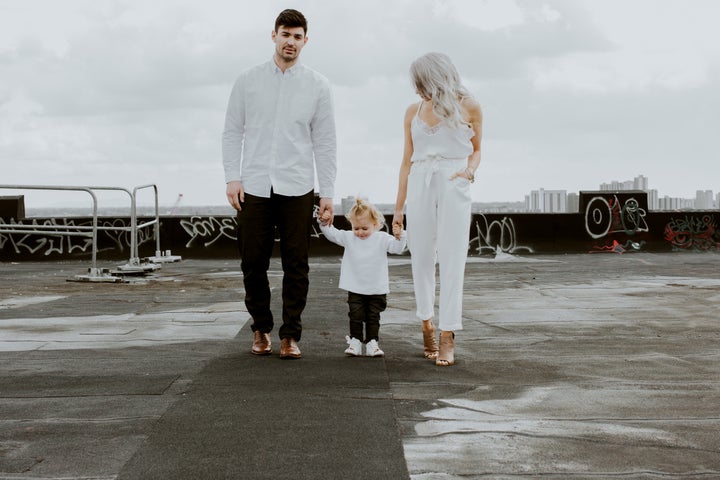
(94, 273)
(133, 266)
(160, 256)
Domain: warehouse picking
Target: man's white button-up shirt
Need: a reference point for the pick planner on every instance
(280, 131)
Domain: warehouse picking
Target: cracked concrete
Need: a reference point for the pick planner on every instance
(569, 366)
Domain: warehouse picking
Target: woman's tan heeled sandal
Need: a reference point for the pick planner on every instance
(446, 355)
(430, 343)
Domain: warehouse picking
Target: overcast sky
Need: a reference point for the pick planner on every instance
(574, 92)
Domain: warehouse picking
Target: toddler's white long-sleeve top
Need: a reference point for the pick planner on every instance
(364, 267)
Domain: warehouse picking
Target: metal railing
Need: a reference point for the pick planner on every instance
(95, 274)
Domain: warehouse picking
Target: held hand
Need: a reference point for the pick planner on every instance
(397, 230)
(235, 194)
(325, 218)
(326, 211)
(397, 223)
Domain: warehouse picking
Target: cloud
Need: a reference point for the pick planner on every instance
(574, 92)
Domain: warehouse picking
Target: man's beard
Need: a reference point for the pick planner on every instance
(288, 57)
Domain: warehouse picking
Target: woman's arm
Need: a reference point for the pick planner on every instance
(475, 118)
(404, 166)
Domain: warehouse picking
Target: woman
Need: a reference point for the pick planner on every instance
(441, 154)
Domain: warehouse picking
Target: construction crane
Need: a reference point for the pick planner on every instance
(175, 205)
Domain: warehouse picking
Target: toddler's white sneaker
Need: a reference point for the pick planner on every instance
(372, 349)
(354, 347)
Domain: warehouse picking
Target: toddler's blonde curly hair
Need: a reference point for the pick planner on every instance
(363, 208)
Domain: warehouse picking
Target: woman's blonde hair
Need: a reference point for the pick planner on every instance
(362, 208)
(435, 77)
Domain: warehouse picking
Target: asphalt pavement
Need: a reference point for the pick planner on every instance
(583, 366)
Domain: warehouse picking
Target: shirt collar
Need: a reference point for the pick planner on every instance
(291, 71)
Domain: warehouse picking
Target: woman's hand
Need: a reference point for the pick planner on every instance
(397, 224)
(397, 231)
(467, 174)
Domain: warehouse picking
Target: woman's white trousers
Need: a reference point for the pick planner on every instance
(438, 216)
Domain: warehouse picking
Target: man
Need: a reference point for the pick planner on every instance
(279, 132)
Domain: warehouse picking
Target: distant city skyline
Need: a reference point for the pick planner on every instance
(541, 200)
(550, 201)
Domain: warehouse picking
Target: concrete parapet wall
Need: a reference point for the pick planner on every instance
(12, 207)
(602, 228)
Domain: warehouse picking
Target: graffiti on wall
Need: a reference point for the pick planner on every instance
(208, 230)
(491, 233)
(48, 242)
(56, 241)
(693, 233)
(121, 239)
(496, 236)
(616, 247)
(606, 216)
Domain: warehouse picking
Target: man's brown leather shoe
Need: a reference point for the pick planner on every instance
(261, 344)
(289, 348)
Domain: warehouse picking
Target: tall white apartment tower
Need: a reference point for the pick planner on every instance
(640, 183)
(653, 203)
(546, 201)
(703, 200)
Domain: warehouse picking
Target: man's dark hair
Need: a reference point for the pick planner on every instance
(291, 18)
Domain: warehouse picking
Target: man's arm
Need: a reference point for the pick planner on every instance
(322, 131)
(232, 143)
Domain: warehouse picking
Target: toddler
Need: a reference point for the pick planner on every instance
(364, 272)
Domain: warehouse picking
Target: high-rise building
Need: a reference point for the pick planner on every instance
(573, 202)
(546, 201)
(346, 204)
(704, 200)
(640, 183)
(652, 197)
(675, 203)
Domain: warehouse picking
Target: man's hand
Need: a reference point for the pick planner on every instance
(326, 211)
(235, 194)
(325, 218)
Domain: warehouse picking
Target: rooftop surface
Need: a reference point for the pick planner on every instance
(599, 366)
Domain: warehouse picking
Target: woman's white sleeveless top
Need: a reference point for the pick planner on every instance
(440, 141)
